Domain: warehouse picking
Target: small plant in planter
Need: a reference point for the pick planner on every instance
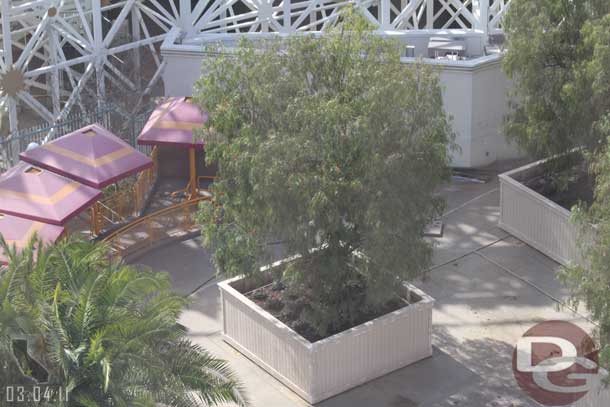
(333, 148)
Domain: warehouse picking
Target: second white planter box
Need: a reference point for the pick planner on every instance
(319, 370)
(535, 219)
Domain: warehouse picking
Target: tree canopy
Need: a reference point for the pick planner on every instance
(558, 58)
(589, 280)
(326, 143)
(102, 332)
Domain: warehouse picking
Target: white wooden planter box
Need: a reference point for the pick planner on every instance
(319, 370)
(535, 219)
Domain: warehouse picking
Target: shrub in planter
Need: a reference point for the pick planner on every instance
(559, 56)
(559, 59)
(334, 148)
(588, 281)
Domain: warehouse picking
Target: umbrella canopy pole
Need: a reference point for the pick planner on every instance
(95, 223)
(193, 172)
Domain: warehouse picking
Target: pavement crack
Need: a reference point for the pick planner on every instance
(532, 285)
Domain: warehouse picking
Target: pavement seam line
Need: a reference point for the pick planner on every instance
(462, 206)
(534, 286)
(202, 286)
(460, 257)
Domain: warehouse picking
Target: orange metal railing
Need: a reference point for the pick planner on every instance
(127, 203)
(186, 190)
(166, 224)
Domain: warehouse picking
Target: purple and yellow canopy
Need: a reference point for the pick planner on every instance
(172, 124)
(92, 155)
(18, 232)
(40, 195)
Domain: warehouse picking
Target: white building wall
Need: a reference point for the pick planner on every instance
(457, 98)
(475, 96)
(490, 88)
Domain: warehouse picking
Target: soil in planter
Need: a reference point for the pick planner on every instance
(288, 308)
(567, 187)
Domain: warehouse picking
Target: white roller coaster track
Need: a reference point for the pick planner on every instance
(51, 51)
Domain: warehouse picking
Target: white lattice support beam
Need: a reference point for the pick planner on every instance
(308, 12)
(463, 10)
(186, 19)
(27, 52)
(407, 13)
(70, 75)
(497, 11)
(124, 79)
(480, 11)
(55, 88)
(42, 31)
(72, 99)
(363, 7)
(385, 14)
(287, 11)
(150, 46)
(6, 33)
(98, 41)
(8, 62)
(153, 82)
(136, 36)
(429, 14)
(160, 18)
(116, 25)
(36, 105)
(83, 21)
(215, 11)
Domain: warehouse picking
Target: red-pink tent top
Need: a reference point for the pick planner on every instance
(172, 124)
(40, 195)
(92, 155)
(18, 232)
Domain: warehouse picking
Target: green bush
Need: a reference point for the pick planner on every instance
(105, 333)
(559, 59)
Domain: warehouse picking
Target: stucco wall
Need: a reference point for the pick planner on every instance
(490, 88)
(475, 95)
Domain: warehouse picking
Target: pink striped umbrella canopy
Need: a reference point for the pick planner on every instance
(18, 232)
(40, 195)
(92, 155)
(172, 124)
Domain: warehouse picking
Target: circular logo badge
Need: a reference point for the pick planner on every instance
(555, 363)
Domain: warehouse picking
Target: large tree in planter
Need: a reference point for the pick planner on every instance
(103, 332)
(589, 281)
(555, 56)
(560, 55)
(333, 147)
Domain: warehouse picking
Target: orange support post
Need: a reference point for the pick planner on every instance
(193, 172)
(95, 223)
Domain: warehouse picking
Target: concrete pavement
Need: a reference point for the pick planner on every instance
(489, 289)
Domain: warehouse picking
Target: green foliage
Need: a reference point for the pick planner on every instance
(590, 280)
(558, 56)
(104, 331)
(326, 143)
